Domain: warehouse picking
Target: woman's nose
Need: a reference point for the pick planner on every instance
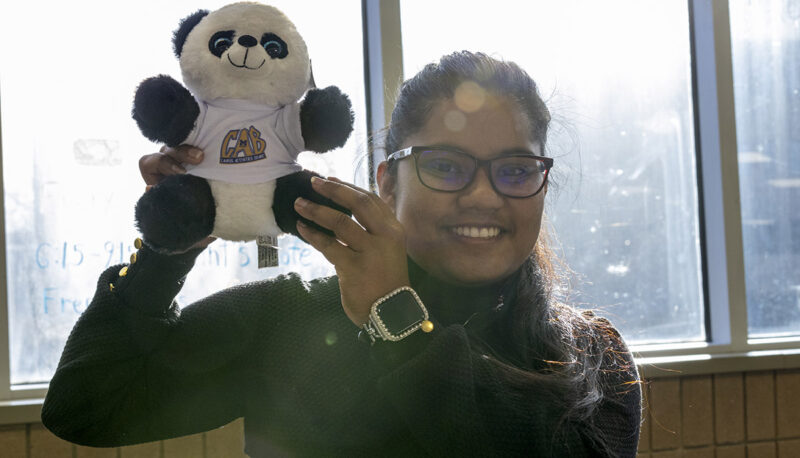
(480, 193)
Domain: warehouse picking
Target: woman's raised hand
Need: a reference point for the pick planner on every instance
(368, 252)
(168, 161)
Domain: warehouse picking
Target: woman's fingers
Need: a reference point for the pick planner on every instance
(346, 230)
(349, 185)
(168, 161)
(155, 167)
(381, 204)
(368, 208)
(333, 251)
(184, 154)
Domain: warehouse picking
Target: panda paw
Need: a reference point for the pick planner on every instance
(164, 110)
(287, 189)
(326, 119)
(176, 214)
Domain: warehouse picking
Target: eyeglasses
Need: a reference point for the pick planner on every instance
(515, 174)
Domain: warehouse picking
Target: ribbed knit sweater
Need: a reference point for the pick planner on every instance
(282, 354)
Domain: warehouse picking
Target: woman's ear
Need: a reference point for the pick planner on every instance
(386, 183)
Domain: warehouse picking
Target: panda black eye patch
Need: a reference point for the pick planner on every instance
(275, 47)
(220, 42)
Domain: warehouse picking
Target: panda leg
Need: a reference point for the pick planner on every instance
(287, 190)
(176, 213)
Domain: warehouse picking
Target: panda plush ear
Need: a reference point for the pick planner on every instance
(186, 26)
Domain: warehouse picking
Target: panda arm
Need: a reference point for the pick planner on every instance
(164, 110)
(326, 119)
(290, 187)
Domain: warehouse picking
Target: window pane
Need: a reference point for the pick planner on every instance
(70, 152)
(617, 78)
(765, 38)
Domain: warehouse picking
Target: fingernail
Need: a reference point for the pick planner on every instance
(177, 169)
(195, 153)
(316, 180)
(300, 202)
(300, 223)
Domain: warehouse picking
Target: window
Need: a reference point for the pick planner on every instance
(641, 136)
(70, 152)
(617, 78)
(766, 73)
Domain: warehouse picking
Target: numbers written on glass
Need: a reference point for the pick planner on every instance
(57, 297)
(66, 255)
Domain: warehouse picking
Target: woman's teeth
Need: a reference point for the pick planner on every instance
(477, 232)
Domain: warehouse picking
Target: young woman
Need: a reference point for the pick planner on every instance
(439, 335)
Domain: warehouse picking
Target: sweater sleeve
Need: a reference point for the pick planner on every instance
(136, 368)
(456, 401)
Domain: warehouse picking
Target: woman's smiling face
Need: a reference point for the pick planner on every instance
(474, 236)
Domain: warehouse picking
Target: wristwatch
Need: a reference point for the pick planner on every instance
(396, 315)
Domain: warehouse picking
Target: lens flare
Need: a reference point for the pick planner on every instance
(469, 97)
(455, 120)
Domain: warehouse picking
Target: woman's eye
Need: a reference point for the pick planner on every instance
(512, 171)
(442, 166)
(516, 171)
(273, 48)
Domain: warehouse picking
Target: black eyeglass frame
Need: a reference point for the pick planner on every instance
(416, 150)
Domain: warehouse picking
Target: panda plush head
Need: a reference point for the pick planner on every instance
(244, 50)
(245, 100)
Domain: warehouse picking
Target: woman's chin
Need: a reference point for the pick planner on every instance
(477, 274)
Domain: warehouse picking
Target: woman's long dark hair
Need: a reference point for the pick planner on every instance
(559, 351)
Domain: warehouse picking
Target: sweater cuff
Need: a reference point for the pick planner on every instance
(150, 283)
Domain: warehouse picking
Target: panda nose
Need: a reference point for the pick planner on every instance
(247, 41)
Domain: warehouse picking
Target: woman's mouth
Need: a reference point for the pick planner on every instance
(475, 232)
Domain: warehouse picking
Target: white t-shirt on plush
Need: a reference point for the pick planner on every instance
(246, 142)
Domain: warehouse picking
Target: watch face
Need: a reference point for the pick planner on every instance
(400, 312)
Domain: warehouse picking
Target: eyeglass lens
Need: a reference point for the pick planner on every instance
(515, 176)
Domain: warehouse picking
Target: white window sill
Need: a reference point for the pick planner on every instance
(21, 411)
(716, 363)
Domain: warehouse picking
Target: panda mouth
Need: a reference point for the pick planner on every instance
(244, 64)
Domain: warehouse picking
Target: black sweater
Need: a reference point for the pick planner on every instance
(282, 354)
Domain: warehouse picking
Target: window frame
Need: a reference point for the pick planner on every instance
(727, 349)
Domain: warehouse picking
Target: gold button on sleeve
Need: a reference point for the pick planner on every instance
(427, 326)
(138, 243)
(123, 271)
(133, 258)
(111, 287)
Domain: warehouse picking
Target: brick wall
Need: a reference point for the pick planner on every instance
(34, 441)
(736, 415)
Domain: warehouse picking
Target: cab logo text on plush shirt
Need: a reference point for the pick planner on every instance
(242, 145)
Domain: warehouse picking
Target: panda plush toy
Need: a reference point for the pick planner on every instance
(246, 69)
